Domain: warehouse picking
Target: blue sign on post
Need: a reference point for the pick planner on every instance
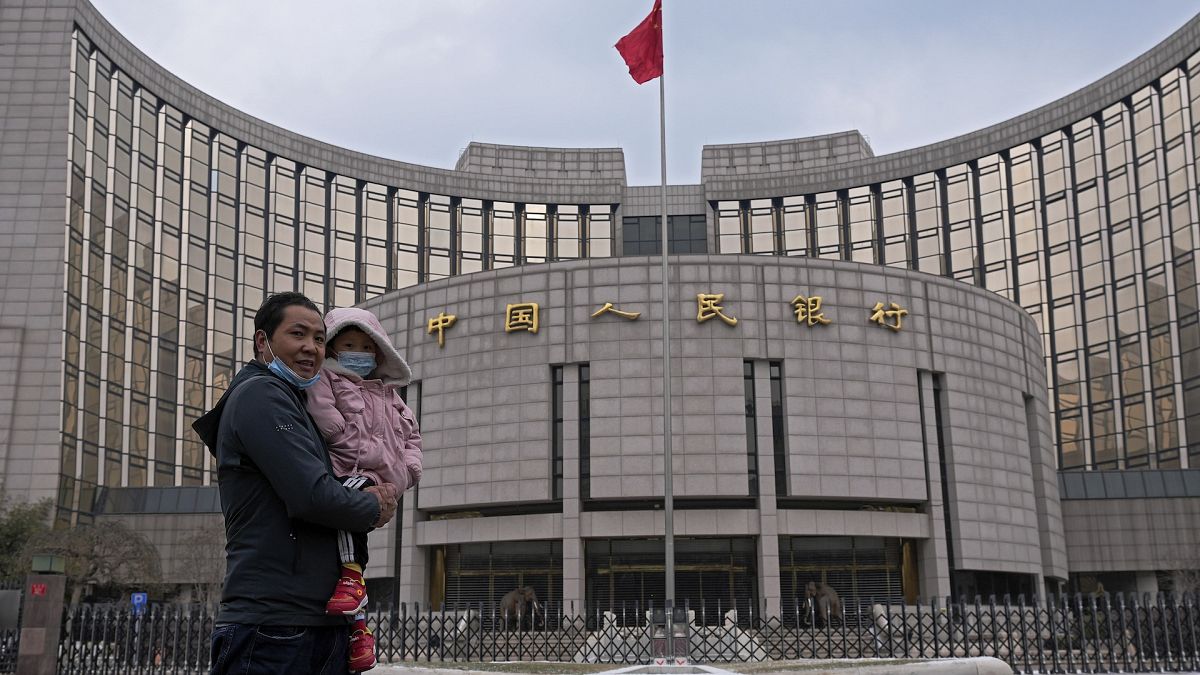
(139, 602)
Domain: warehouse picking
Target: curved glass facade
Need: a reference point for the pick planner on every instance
(176, 232)
(1092, 229)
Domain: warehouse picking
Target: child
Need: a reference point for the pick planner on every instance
(373, 438)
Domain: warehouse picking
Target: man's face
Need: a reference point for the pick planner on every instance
(299, 341)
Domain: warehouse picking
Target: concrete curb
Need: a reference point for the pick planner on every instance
(981, 665)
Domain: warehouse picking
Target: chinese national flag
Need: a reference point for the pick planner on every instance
(642, 49)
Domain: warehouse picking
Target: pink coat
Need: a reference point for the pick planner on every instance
(369, 428)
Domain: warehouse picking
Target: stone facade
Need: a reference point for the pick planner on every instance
(856, 431)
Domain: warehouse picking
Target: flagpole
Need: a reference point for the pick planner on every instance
(668, 470)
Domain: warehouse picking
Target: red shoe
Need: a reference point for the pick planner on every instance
(362, 650)
(350, 594)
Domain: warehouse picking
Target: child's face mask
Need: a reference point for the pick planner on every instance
(359, 363)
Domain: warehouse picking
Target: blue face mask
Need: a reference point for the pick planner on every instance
(281, 369)
(359, 363)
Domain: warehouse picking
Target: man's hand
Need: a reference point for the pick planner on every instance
(388, 496)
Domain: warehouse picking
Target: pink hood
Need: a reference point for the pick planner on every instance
(390, 366)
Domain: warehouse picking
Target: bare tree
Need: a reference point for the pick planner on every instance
(203, 551)
(1186, 573)
(105, 554)
(19, 522)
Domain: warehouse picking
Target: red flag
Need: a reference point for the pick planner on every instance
(642, 49)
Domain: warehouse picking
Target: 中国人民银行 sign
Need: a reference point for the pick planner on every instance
(525, 316)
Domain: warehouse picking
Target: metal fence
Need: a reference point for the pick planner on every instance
(8, 650)
(10, 636)
(1079, 634)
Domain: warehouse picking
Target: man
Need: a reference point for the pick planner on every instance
(282, 505)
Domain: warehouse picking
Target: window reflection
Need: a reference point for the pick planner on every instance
(729, 227)
(795, 226)
(406, 267)
(861, 205)
(927, 205)
(503, 225)
(762, 226)
(534, 233)
(438, 237)
(600, 233)
(566, 233)
(829, 218)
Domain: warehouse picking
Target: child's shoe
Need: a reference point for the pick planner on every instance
(362, 649)
(350, 594)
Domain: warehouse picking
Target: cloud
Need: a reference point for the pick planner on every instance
(415, 81)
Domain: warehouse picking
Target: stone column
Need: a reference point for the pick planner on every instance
(933, 553)
(413, 579)
(41, 623)
(574, 585)
(768, 517)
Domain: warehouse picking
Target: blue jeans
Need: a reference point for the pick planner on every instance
(239, 649)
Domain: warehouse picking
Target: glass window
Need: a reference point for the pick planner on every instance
(344, 242)
(314, 230)
(283, 225)
(762, 226)
(566, 232)
(1054, 177)
(829, 219)
(1070, 440)
(729, 227)
(751, 404)
(893, 200)
(861, 207)
(994, 225)
(961, 222)
(795, 226)
(407, 235)
(556, 441)
(438, 237)
(599, 231)
(470, 224)
(927, 205)
(534, 233)
(503, 221)
(373, 246)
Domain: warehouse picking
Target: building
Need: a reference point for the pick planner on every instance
(1048, 263)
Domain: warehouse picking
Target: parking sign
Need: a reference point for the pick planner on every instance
(139, 602)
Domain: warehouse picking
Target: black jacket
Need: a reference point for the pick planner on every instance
(282, 505)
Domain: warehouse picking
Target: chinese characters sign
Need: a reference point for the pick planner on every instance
(524, 316)
(808, 310)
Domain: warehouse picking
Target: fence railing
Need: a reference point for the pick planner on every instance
(8, 650)
(10, 637)
(1079, 634)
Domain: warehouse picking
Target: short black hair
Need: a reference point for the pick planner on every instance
(270, 314)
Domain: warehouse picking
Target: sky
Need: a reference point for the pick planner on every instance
(417, 81)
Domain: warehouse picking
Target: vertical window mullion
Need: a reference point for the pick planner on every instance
(910, 208)
(977, 223)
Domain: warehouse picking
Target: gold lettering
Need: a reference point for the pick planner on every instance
(708, 306)
(608, 307)
(808, 310)
(440, 323)
(521, 316)
(881, 316)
